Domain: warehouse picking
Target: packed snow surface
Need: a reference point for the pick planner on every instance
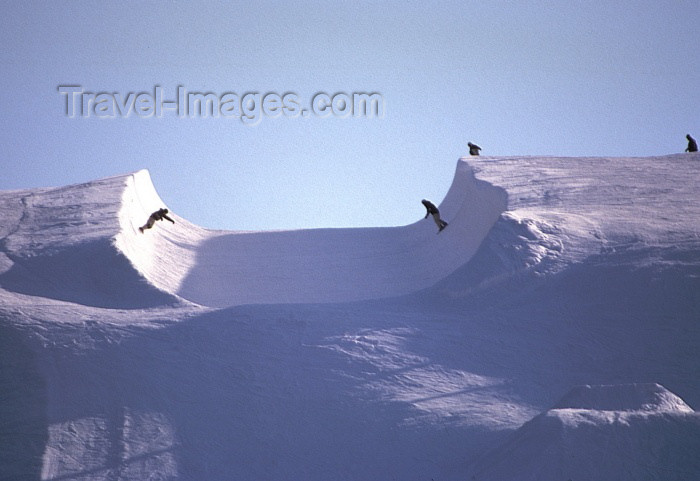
(549, 333)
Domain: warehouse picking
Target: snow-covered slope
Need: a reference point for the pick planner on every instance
(191, 354)
(59, 243)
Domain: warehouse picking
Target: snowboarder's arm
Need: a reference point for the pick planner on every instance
(166, 217)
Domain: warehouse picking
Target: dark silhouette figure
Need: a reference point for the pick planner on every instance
(160, 214)
(473, 149)
(432, 210)
(692, 144)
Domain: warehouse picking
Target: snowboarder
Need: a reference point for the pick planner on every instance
(473, 149)
(431, 209)
(692, 144)
(160, 214)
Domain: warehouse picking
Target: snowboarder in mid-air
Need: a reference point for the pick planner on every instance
(473, 149)
(692, 144)
(160, 214)
(432, 210)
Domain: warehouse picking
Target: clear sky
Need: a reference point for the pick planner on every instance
(612, 78)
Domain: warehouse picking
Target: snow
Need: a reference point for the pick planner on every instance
(632, 432)
(317, 265)
(623, 397)
(550, 332)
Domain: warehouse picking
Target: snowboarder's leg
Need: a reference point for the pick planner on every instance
(436, 218)
(148, 225)
(441, 224)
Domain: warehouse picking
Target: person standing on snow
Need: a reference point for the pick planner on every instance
(473, 149)
(160, 214)
(692, 145)
(432, 210)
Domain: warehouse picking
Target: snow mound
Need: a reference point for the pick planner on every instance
(622, 432)
(623, 397)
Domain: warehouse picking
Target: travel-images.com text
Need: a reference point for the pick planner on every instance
(249, 108)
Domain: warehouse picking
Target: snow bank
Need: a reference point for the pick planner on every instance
(568, 211)
(601, 203)
(598, 433)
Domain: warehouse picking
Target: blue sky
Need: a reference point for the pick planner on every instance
(518, 78)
